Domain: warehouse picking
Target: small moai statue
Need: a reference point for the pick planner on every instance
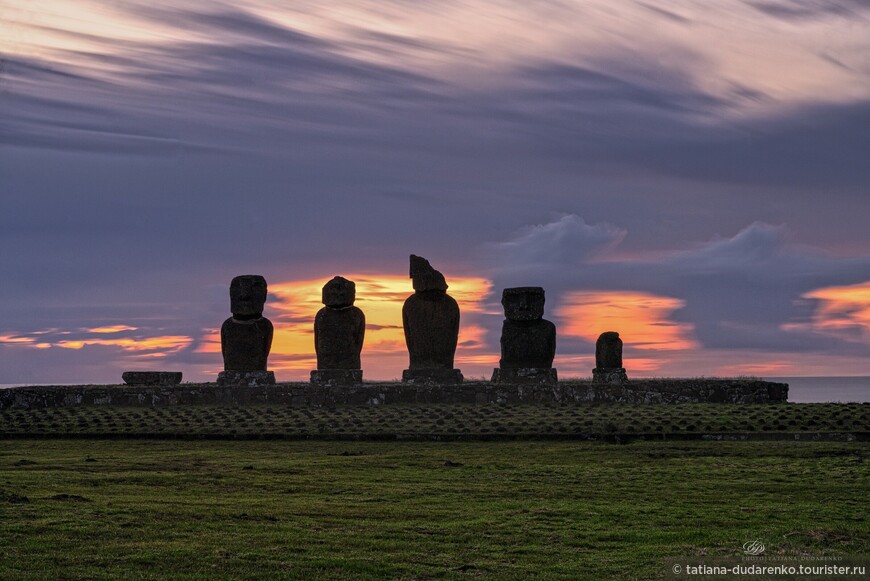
(246, 337)
(431, 320)
(339, 330)
(608, 360)
(528, 341)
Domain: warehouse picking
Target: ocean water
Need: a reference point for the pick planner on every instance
(800, 389)
(826, 389)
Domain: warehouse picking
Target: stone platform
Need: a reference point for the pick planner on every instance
(637, 391)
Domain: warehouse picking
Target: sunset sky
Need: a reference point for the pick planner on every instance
(692, 174)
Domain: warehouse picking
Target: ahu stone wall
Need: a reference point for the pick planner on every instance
(657, 391)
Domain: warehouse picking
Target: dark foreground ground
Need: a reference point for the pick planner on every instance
(103, 509)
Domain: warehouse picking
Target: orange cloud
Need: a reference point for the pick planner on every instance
(133, 347)
(641, 319)
(165, 344)
(843, 311)
(111, 329)
(23, 340)
(210, 342)
(17, 339)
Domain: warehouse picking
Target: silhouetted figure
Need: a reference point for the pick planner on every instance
(528, 341)
(431, 320)
(246, 337)
(339, 330)
(608, 359)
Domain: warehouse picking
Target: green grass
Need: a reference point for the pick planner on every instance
(464, 421)
(85, 509)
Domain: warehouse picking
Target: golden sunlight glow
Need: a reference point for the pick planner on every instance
(843, 311)
(641, 319)
(136, 347)
(111, 329)
(759, 369)
(210, 342)
(294, 304)
(166, 344)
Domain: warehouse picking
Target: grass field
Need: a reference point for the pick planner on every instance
(85, 509)
(462, 421)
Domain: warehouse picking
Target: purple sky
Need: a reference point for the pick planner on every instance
(712, 155)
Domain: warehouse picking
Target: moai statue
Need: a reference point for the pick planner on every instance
(339, 330)
(608, 359)
(246, 337)
(431, 320)
(528, 341)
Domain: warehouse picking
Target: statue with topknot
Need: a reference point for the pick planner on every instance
(431, 321)
(339, 330)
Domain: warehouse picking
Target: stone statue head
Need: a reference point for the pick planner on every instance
(339, 293)
(247, 295)
(524, 303)
(609, 337)
(425, 277)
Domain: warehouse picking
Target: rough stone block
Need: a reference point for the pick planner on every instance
(151, 377)
(246, 378)
(432, 376)
(331, 377)
(525, 375)
(611, 375)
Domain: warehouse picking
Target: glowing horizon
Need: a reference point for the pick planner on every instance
(654, 343)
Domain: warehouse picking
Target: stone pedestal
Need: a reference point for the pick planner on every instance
(527, 375)
(333, 377)
(432, 375)
(151, 377)
(246, 378)
(609, 375)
